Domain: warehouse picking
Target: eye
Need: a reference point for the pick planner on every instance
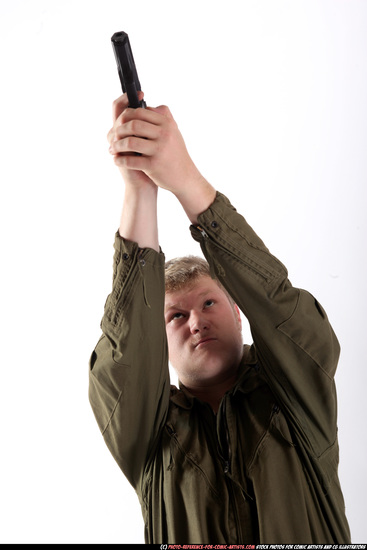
(176, 316)
(208, 303)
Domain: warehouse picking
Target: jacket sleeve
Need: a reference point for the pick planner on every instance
(295, 343)
(129, 377)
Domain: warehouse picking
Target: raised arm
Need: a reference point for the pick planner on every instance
(295, 346)
(139, 211)
(129, 378)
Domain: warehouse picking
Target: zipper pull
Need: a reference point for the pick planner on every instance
(202, 231)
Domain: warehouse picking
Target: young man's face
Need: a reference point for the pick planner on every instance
(203, 332)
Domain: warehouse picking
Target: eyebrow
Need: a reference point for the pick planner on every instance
(170, 306)
(173, 306)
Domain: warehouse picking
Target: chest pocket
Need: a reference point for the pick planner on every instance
(258, 418)
(189, 465)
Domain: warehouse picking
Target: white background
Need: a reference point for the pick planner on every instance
(270, 96)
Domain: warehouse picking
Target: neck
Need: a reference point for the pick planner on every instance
(211, 392)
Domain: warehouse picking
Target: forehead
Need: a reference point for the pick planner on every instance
(196, 290)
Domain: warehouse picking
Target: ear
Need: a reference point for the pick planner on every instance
(238, 315)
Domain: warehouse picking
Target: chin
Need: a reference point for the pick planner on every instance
(210, 372)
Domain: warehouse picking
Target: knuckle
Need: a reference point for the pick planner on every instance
(134, 126)
(123, 117)
(126, 114)
(119, 100)
(119, 133)
(165, 111)
(129, 161)
(118, 160)
(131, 142)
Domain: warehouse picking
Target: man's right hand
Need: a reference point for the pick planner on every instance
(136, 178)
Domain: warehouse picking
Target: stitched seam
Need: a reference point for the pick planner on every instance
(243, 236)
(112, 412)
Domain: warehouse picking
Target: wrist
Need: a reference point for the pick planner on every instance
(139, 216)
(195, 197)
(140, 190)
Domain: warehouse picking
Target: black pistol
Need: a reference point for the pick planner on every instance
(127, 69)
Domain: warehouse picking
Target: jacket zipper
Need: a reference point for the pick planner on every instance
(232, 498)
(227, 459)
(227, 472)
(202, 231)
(268, 277)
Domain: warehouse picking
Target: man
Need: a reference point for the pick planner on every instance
(246, 450)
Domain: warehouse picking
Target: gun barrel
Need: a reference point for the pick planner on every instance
(126, 68)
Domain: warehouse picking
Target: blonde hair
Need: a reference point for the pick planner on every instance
(181, 272)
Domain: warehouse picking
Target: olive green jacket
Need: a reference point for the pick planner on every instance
(264, 469)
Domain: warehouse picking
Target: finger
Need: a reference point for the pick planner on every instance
(148, 115)
(138, 128)
(162, 110)
(118, 106)
(111, 136)
(127, 115)
(134, 144)
(132, 162)
(122, 103)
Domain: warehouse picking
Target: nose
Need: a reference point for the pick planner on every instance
(198, 322)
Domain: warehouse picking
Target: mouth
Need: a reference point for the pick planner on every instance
(203, 342)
